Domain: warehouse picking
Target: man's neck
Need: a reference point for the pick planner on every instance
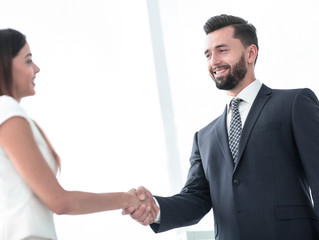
(241, 85)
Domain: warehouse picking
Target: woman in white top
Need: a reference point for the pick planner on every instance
(29, 190)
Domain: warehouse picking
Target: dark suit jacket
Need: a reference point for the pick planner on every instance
(266, 195)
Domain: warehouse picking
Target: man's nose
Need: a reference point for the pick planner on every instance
(214, 60)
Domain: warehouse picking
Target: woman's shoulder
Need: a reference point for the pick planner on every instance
(5, 99)
(9, 107)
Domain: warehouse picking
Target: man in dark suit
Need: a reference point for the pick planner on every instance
(257, 165)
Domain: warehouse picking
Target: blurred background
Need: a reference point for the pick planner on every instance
(123, 87)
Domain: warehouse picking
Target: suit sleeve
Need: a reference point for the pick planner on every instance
(306, 130)
(192, 203)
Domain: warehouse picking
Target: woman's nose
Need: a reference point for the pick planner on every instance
(36, 68)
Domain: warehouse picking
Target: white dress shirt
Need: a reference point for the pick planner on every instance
(248, 96)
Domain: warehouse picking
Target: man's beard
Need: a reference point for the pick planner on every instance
(237, 73)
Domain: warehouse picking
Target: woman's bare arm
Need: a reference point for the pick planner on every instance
(17, 140)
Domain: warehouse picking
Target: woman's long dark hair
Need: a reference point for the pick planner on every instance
(11, 42)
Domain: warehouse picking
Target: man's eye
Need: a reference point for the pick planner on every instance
(29, 61)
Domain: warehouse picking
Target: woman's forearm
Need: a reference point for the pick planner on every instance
(74, 202)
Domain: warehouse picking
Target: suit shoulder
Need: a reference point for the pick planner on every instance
(293, 93)
(287, 91)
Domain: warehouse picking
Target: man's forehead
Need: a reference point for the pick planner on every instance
(222, 34)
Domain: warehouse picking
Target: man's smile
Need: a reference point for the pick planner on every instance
(220, 70)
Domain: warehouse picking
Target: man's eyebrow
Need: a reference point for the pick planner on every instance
(218, 46)
(221, 45)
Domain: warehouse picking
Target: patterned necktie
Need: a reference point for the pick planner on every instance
(235, 128)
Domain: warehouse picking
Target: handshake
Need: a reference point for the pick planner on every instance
(143, 208)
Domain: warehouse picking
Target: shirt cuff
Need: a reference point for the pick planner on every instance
(158, 217)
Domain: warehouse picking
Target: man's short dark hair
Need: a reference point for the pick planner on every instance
(244, 31)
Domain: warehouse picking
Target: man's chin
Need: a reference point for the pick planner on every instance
(220, 84)
(225, 85)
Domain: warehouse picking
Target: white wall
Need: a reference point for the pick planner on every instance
(97, 94)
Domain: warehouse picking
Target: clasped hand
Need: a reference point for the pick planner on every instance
(145, 210)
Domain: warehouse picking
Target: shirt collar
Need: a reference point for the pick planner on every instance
(248, 94)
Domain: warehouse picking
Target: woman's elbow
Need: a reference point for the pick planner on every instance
(61, 206)
(60, 210)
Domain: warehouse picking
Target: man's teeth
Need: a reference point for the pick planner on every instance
(220, 71)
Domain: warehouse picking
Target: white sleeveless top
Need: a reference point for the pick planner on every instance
(22, 213)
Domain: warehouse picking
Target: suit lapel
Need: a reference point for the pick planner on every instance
(261, 99)
(222, 136)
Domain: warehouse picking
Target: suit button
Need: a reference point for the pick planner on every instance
(236, 182)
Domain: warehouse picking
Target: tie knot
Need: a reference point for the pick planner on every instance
(235, 102)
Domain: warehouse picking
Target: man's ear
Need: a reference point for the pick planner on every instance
(252, 53)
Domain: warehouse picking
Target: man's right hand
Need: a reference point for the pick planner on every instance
(147, 212)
